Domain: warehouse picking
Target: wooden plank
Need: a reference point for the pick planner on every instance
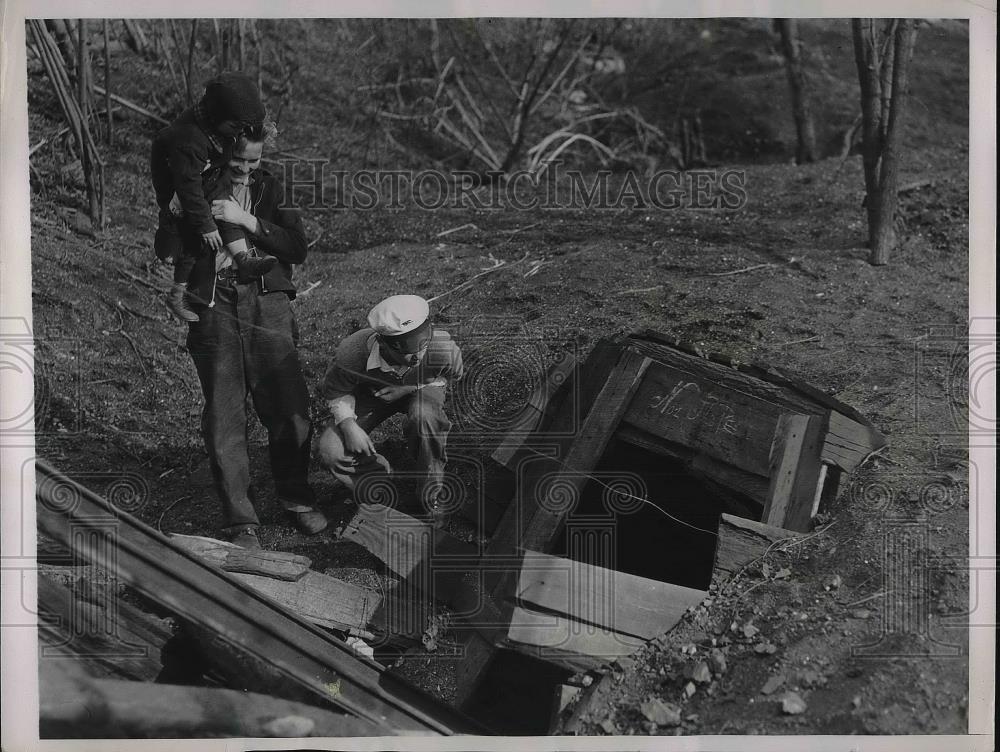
(527, 524)
(848, 442)
(228, 556)
(280, 565)
(687, 408)
(110, 638)
(753, 382)
(399, 541)
(558, 636)
(542, 510)
(307, 657)
(795, 471)
(620, 602)
(537, 407)
(75, 706)
(319, 598)
(741, 541)
(809, 477)
(740, 482)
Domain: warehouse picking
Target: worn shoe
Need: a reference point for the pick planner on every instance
(253, 266)
(177, 301)
(311, 522)
(247, 538)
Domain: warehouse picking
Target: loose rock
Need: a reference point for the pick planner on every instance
(772, 684)
(700, 673)
(765, 648)
(793, 704)
(661, 713)
(718, 659)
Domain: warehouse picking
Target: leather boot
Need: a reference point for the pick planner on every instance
(177, 301)
(250, 267)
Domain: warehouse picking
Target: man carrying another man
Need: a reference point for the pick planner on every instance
(399, 364)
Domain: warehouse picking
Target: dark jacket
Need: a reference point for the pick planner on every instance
(280, 233)
(180, 154)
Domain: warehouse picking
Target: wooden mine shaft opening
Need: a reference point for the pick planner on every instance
(649, 468)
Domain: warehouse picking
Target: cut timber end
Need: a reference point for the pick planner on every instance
(741, 541)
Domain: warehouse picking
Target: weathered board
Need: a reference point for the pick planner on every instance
(848, 442)
(620, 602)
(683, 406)
(562, 640)
(741, 541)
(736, 481)
(538, 513)
(280, 565)
(198, 593)
(110, 637)
(795, 471)
(535, 516)
(320, 598)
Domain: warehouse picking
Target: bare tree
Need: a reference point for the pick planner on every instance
(883, 51)
(799, 89)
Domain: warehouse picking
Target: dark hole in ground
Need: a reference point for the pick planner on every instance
(610, 530)
(517, 695)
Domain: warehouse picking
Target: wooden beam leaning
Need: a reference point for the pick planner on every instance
(535, 517)
(537, 514)
(795, 471)
(321, 666)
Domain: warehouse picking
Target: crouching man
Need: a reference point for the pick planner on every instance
(399, 364)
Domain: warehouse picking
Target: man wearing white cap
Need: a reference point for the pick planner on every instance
(399, 364)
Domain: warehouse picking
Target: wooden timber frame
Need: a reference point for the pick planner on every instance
(304, 663)
(771, 440)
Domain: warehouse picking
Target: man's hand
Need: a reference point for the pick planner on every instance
(393, 393)
(356, 440)
(212, 239)
(227, 210)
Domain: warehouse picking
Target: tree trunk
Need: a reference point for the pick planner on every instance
(883, 240)
(883, 76)
(798, 87)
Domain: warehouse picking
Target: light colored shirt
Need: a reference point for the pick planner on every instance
(359, 367)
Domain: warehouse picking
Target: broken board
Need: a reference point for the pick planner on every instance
(742, 541)
(320, 598)
(312, 660)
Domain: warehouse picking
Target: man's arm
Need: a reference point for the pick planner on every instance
(277, 225)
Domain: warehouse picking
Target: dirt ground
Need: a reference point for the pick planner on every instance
(783, 280)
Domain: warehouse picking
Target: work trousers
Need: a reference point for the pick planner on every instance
(245, 345)
(426, 430)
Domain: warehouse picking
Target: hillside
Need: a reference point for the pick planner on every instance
(783, 279)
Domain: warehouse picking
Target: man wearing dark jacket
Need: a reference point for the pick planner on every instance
(245, 343)
(182, 154)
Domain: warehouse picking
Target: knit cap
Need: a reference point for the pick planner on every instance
(233, 96)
